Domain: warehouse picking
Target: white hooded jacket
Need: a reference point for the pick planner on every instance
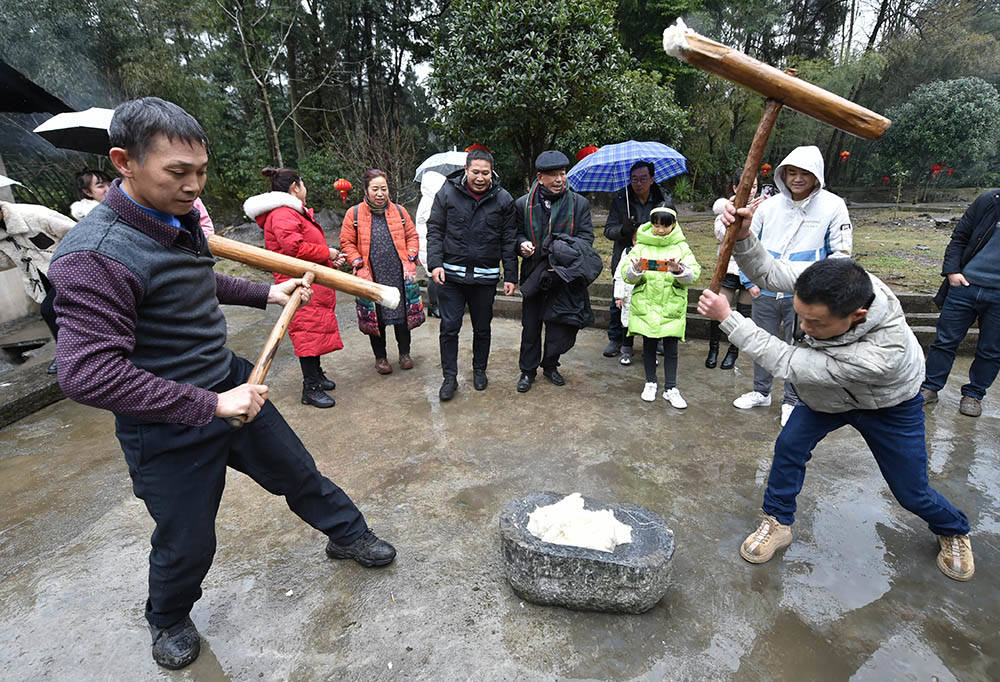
(430, 183)
(806, 231)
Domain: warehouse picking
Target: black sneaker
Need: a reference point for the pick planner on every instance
(368, 550)
(555, 377)
(326, 383)
(611, 350)
(525, 382)
(176, 646)
(313, 395)
(479, 379)
(448, 388)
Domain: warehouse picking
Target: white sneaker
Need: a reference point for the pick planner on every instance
(673, 396)
(752, 399)
(649, 392)
(786, 412)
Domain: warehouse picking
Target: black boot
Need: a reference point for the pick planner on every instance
(713, 345)
(176, 646)
(368, 550)
(730, 360)
(326, 383)
(312, 394)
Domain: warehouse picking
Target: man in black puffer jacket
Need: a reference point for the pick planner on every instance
(469, 232)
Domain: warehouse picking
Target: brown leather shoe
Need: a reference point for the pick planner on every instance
(405, 361)
(382, 366)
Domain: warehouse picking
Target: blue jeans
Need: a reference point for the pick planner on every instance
(961, 308)
(896, 438)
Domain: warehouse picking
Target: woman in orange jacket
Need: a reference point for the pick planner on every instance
(380, 241)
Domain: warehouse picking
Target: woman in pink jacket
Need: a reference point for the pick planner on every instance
(289, 228)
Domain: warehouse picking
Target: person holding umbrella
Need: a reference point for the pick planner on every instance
(549, 208)
(629, 210)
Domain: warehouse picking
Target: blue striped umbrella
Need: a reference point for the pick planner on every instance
(606, 170)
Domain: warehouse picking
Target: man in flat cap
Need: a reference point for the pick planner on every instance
(549, 208)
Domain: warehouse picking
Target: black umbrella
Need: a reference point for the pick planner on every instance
(82, 131)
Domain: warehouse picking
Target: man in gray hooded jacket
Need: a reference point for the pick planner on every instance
(860, 365)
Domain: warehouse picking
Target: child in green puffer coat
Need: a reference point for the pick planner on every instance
(662, 267)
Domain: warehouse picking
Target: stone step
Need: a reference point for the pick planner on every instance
(923, 324)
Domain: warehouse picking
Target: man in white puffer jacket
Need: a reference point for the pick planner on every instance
(859, 365)
(802, 224)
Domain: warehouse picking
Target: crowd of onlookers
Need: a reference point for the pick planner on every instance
(141, 333)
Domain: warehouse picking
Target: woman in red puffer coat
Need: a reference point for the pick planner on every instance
(289, 228)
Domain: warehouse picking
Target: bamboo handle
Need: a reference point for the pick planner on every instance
(296, 267)
(266, 356)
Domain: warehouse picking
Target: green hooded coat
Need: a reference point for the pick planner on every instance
(660, 299)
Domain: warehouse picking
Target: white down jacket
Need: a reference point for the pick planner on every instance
(876, 364)
(802, 232)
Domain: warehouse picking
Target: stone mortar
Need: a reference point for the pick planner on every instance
(632, 579)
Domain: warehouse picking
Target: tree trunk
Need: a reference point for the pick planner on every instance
(293, 97)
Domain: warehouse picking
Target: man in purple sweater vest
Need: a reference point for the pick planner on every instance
(141, 334)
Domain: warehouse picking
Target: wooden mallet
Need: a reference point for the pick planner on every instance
(293, 267)
(296, 267)
(263, 364)
(780, 89)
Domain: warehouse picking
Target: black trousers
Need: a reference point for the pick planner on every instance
(669, 360)
(180, 471)
(402, 332)
(312, 373)
(559, 338)
(452, 301)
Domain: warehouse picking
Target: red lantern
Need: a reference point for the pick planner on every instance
(843, 156)
(951, 171)
(585, 152)
(476, 145)
(765, 169)
(885, 180)
(342, 186)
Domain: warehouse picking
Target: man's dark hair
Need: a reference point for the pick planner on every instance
(136, 124)
(648, 165)
(82, 180)
(840, 284)
(478, 155)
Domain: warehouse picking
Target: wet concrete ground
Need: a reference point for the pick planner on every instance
(857, 595)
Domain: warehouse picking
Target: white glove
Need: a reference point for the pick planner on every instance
(633, 272)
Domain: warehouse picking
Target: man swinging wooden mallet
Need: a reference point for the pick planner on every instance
(860, 364)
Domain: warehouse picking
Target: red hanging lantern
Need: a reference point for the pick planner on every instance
(843, 156)
(585, 152)
(476, 145)
(342, 186)
(765, 169)
(937, 168)
(950, 171)
(885, 180)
